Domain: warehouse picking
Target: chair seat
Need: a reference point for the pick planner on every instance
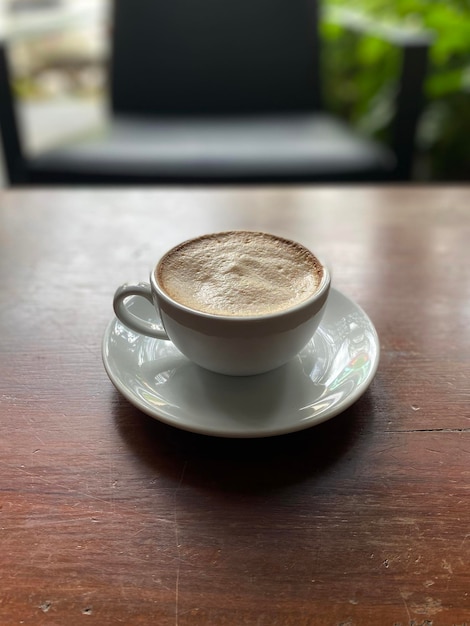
(308, 147)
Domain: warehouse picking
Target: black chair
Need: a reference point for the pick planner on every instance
(219, 91)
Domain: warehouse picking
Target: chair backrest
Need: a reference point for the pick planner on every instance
(185, 57)
(9, 129)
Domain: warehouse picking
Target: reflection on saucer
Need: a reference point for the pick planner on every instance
(330, 373)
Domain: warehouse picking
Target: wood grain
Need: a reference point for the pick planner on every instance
(109, 517)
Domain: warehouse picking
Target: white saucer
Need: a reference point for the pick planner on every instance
(330, 373)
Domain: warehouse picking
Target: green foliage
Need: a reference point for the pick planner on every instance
(361, 75)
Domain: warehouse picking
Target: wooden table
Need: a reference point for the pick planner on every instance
(110, 517)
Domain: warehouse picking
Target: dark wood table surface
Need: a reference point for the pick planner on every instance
(108, 516)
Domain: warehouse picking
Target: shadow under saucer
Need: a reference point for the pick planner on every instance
(244, 465)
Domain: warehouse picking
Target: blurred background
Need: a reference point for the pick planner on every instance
(59, 53)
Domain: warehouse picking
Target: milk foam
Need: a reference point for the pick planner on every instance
(239, 273)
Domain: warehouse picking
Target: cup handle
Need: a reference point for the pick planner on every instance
(132, 321)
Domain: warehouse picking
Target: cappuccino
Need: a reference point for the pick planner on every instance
(239, 273)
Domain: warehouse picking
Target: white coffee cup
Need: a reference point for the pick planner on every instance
(238, 345)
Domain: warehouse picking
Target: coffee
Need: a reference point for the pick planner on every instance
(239, 273)
(238, 303)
